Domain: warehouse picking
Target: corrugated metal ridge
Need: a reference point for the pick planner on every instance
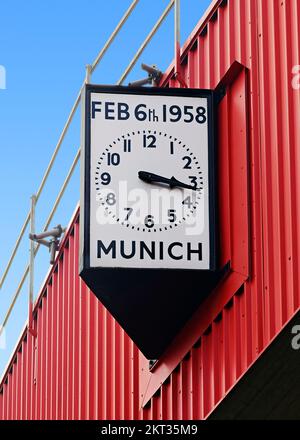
(42, 289)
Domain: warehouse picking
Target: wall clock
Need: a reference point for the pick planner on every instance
(148, 206)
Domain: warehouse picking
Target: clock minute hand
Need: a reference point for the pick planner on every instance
(155, 178)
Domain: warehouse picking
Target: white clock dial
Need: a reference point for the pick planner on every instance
(163, 178)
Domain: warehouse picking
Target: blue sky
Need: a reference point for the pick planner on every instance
(44, 47)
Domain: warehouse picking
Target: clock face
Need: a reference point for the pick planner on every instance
(146, 179)
(126, 199)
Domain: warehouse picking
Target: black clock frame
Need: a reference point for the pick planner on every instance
(151, 304)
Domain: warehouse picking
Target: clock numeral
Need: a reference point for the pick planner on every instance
(172, 215)
(188, 202)
(113, 159)
(149, 221)
(149, 141)
(188, 161)
(193, 180)
(105, 178)
(130, 210)
(127, 145)
(171, 147)
(111, 199)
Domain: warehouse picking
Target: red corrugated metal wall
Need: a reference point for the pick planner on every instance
(82, 365)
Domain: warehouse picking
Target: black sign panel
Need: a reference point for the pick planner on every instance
(148, 215)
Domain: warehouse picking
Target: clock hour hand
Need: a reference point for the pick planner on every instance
(147, 177)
